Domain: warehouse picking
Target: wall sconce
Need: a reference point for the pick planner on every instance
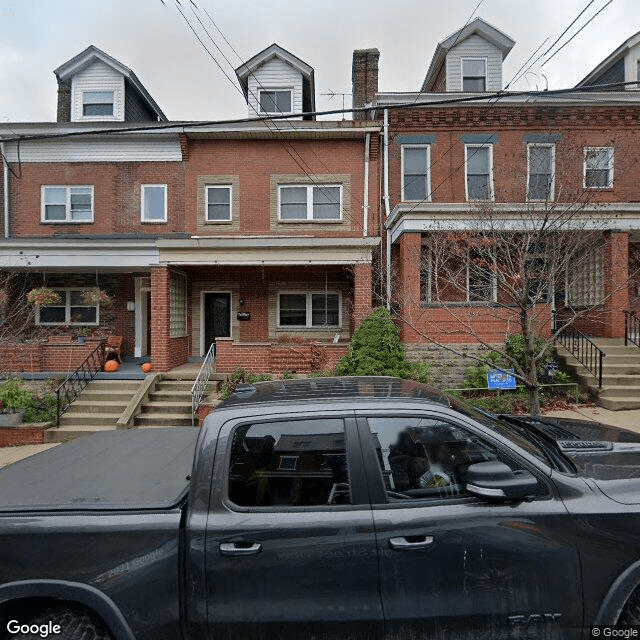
(242, 301)
(131, 305)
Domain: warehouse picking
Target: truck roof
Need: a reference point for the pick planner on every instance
(338, 389)
(112, 470)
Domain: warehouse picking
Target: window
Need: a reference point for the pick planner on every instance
(72, 310)
(67, 204)
(97, 103)
(275, 101)
(293, 463)
(178, 311)
(218, 203)
(312, 310)
(479, 170)
(321, 202)
(540, 177)
(474, 75)
(154, 203)
(598, 167)
(481, 278)
(415, 173)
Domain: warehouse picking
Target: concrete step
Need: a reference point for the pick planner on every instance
(620, 349)
(619, 404)
(163, 420)
(166, 408)
(81, 405)
(104, 395)
(63, 434)
(114, 385)
(173, 386)
(90, 419)
(619, 391)
(169, 396)
(617, 380)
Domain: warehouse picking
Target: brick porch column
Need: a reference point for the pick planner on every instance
(615, 260)
(406, 280)
(361, 293)
(160, 312)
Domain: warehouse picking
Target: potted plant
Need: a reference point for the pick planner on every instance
(13, 397)
(43, 297)
(81, 334)
(95, 295)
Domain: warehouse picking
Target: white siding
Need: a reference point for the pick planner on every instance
(274, 74)
(139, 149)
(632, 66)
(97, 77)
(474, 47)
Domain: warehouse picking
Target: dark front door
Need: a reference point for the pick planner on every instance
(217, 317)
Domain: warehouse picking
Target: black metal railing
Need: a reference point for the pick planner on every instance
(76, 381)
(631, 328)
(584, 350)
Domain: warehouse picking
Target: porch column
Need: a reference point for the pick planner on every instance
(615, 260)
(160, 314)
(406, 280)
(361, 293)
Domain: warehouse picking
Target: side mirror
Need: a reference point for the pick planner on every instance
(496, 481)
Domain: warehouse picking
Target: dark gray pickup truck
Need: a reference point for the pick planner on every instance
(326, 508)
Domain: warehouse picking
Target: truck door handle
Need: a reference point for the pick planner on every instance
(409, 543)
(240, 548)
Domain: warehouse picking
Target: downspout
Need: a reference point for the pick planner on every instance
(365, 199)
(5, 188)
(385, 131)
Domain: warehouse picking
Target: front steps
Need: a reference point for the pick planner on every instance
(620, 374)
(97, 408)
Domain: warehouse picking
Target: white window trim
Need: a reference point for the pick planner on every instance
(552, 190)
(308, 325)
(486, 71)
(98, 117)
(67, 219)
(489, 146)
(67, 311)
(142, 208)
(494, 288)
(275, 89)
(611, 166)
(415, 146)
(206, 202)
(287, 457)
(310, 188)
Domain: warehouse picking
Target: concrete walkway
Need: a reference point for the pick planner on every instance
(9, 455)
(627, 419)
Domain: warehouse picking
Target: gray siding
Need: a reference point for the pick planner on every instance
(474, 47)
(135, 108)
(615, 73)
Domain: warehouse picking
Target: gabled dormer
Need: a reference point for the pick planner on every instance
(275, 82)
(469, 60)
(623, 65)
(94, 87)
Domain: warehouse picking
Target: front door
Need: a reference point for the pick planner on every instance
(456, 567)
(290, 547)
(217, 318)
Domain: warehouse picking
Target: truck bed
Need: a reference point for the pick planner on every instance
(115, 470)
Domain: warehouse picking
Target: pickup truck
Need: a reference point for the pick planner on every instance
(326, 508)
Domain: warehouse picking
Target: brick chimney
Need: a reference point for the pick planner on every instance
(64, 101)
(364, 79)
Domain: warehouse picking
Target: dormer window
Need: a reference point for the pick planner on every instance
(474, 75)
(275, 101)
(97, 103)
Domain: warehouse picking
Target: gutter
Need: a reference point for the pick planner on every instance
(365, 200)
(385, 134)
(5, 189)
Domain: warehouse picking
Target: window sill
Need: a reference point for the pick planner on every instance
(66, 221)
(310, 221)
(331, 329)
(598, 188)
(153, 222)
(218, 222)
(445, 305)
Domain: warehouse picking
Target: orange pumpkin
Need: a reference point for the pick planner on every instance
(111, 365)
(146, 367)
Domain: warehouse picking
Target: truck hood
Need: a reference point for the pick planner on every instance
(610, 456)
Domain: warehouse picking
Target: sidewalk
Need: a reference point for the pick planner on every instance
(9, 455)
(628, 419)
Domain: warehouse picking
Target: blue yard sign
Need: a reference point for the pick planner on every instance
(497, 379)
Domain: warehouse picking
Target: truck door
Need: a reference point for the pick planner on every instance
(456, 567)
(290, 546)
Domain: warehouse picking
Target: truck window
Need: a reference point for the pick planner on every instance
(292, 463)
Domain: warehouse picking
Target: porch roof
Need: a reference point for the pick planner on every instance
(266, 250)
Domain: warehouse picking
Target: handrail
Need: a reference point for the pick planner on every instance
(631, 328)
(202, 379)
(584, 350)
(77, 380)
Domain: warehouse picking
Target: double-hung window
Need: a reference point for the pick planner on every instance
(479, 171)
(474, 75)
(598, 167)
(97, 103)
(321, 202)
(309, 310)
(154, 203)
(415, 173)
(481, 278)
(71, 310)
(541, 170)
(67, 204)
(218, 203)
(275, 101)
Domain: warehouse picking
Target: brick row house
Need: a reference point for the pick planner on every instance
(458, 167)
(257, 236)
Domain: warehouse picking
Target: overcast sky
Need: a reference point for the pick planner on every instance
(152, 39)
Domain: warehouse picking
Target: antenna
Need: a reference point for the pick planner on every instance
(332, 94)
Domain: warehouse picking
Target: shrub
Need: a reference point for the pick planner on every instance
(477, 375)
(375, 349)
(14, 395)
(287, 375)
(420, 372)
(514, 347)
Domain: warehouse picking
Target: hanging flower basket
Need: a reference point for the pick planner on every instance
(95, 295)
(43, 297)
